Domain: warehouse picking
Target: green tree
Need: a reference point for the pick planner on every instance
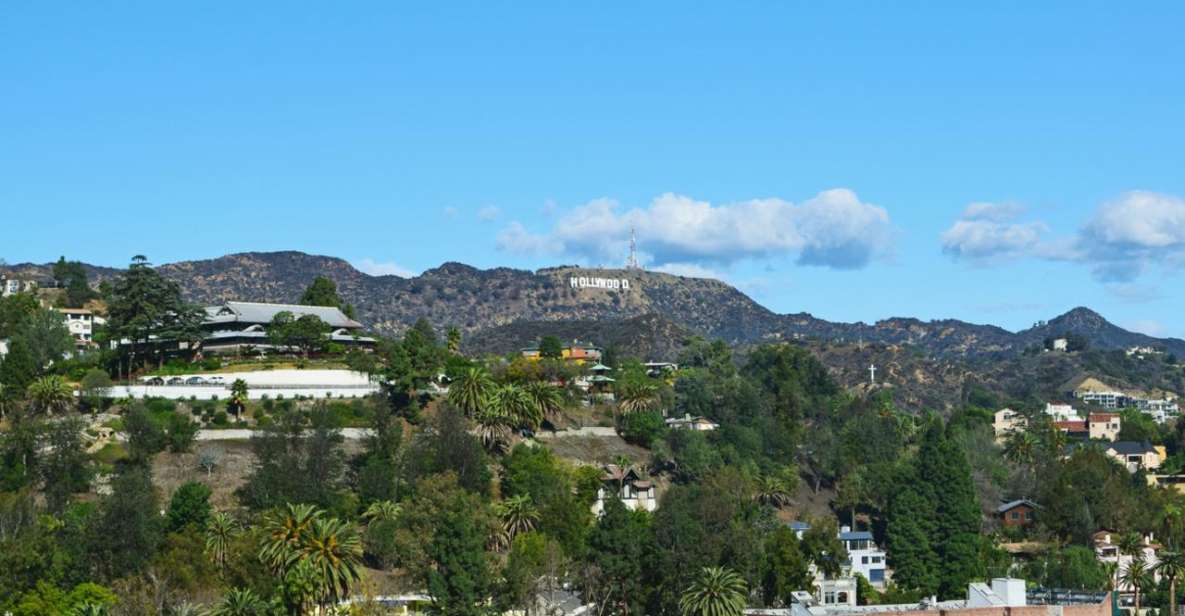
(786, 568)
(716, 591)
(47, 338)
(459, 578)
(241, 602)
(94, 387)
(221, 531)
(147, 310)
(71, 276)
(321, 292)
(64, 468)
(915, 563)
(306, 333)
(546, 398)
(238, 398)
(518, 515)
(50, 394)
(471, 390)
(619, 547)
(125, 532)
(1171, 567)
(945, 484)
(17, 371)
(1137, 576)
(550, 347)
(189, 506)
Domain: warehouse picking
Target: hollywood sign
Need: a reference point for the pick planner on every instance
(612, 284)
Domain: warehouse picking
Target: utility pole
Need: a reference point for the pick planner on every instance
(632, 261)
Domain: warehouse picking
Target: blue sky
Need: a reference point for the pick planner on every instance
(858, 161)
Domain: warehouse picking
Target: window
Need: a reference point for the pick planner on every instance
(876, 576)
(843, 597)
(1028, 515)
(864, 560)
(1015, 515)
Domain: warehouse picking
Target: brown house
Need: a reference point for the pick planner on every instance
(1020, 513)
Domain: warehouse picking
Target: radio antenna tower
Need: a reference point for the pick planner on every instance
(632, 261)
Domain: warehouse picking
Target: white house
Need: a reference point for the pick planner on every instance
(687, 422)
(1006, 421)
(864, 557)
(81, 323)
(1061, 412)
(1106, 547)
(633, 491)
(12, 286)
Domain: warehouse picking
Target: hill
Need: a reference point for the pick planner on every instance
(501, 308)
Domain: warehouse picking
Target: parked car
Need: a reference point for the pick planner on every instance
(195, 380)
(176, 381)
(156, 380)
(215, 380)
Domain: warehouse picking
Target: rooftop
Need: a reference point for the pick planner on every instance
(259, 312)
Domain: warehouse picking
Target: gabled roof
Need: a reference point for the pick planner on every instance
(1131, 448)
(1010, 505)
(258, 312)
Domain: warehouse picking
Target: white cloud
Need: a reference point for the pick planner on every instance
(689, 270)
(833, 229)
(1139, 229)
(517, 239)
(376, 268)
(488, 213)
(989, 232)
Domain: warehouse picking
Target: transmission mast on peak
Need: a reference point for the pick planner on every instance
(632, 261)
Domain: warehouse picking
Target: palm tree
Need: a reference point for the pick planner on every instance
(220, 531)
(383, 510)
(471, 390)
(716, 591)
(1171, 566)
(772, 491)
(637, 397)
(518, 515)
(494, 430)
(185, 608)
(1021, 447)
(1130, 545)
(514, 403)
(90, 609)
(1137, 576)
(546, 397)
(240, 602)
(50, 394)
(285, 532)
(238, 398)
(334, 550)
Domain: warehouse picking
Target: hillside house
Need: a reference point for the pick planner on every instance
(577, 352)
(232, 327)
(81, 324)
(864, 557)
(633, 491)
(1061, 412)
(1136, 456)
(1018, 513)
(1106, 547)
(1103, 426)
(10, 285)
(1075, 428)
(1006, 421)
(687, 422)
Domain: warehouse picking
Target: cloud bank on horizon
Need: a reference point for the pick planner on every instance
(680, 234)
(1122, 240)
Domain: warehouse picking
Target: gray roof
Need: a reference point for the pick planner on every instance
(1016, 503)
(1131, 448)
(856, 535)
(257, 312)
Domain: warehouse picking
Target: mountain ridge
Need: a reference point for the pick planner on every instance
(476, 300)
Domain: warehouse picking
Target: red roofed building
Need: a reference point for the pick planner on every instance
(1104, 426)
